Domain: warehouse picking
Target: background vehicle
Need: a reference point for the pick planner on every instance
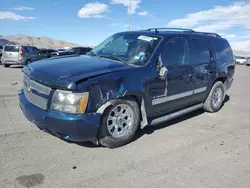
(20, 55)
(240, 60)
(248, 61)
(1, 51)
(61, 49)
(47, 52)
(73, 51)
(131, 80)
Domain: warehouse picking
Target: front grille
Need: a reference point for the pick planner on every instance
(36, 93)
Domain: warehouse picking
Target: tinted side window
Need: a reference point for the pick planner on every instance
(50, 51)
(43, 51)
(223, 50)
(28, 49)
(34, 50)
(175, 52)
(74, 51)
(83, 50)
(200, 51)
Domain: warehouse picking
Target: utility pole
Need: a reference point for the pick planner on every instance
(129, 16)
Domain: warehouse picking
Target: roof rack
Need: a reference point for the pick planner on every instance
(156, 30)
(170, 29)
(206, 33)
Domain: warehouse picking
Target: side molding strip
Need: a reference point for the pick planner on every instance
(177, 96)
(176, 114)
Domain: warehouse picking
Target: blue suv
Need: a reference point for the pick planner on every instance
(129, 81)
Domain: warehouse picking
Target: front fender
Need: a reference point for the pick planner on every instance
(109, 87)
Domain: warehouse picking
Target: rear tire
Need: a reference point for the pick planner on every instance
(6, 65)
(215, 99)
(119, 123)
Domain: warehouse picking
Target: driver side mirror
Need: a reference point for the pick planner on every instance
(159, 63)
(163, 71)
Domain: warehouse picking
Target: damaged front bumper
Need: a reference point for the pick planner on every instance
(72, 127)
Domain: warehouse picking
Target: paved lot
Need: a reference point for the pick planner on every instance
(199, 150)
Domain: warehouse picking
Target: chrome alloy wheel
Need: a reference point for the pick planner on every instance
(120, 121)
(217, 97)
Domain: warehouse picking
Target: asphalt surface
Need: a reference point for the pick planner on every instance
(198, 150)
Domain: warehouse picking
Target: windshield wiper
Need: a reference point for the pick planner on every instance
(92, 53)
(115, 58)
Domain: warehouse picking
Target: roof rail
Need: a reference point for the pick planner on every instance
(156, 30)
(206, 33)
(170, 29)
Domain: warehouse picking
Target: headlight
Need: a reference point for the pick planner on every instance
(66, 101)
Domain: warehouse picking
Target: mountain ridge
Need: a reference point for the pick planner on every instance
(39, 42)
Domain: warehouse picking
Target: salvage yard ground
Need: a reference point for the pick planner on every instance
(198, 150)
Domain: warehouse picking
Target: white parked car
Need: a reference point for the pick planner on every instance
(240, 60)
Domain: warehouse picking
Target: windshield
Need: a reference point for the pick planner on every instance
(129, 48)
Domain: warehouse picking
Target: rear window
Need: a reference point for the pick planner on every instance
(223, 50)
(11, 48)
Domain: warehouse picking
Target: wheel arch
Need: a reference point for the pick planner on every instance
(140, 101)
(221, 78)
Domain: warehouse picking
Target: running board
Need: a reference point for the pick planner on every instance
(176, 114)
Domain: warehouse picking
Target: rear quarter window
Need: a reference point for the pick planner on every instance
(223, 50)
(200, 51)
(11, 48)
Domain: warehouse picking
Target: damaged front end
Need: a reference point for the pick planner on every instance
(73, 126)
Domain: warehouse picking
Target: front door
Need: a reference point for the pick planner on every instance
(175, 91)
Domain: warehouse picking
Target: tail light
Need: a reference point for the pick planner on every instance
(22, 51)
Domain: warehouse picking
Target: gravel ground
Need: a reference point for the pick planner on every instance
(198, 150)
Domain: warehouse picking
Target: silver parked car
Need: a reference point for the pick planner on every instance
(20, 55)
(1, 51)
(248, 61)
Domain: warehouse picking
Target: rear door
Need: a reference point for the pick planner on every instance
(204, 64)
(11, 53)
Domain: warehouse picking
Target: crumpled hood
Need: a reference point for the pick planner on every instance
(61, 72)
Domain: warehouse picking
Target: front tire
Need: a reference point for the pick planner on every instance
(119, 123)
(215, 99)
